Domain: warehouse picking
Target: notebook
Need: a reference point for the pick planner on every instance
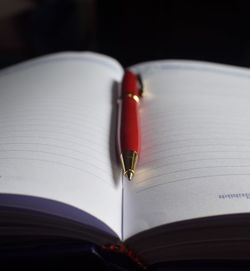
(60, 175)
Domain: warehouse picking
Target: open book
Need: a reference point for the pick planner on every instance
(59, 172)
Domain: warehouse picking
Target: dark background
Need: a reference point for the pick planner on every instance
(130, 31)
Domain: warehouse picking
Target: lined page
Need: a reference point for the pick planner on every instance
(56, 133)
(195, 158)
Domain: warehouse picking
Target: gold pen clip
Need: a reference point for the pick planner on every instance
(140, 85)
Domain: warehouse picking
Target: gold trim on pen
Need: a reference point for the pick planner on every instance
(133, 96)
(129, 161)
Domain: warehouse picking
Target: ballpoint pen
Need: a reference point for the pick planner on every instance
(130, 134)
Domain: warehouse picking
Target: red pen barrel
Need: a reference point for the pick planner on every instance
(130, 126)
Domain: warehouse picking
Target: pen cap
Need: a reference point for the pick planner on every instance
(130, 84)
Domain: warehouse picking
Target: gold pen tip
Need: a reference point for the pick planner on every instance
(129, 175)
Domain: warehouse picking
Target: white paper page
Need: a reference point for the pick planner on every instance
(195, 158)
(56, 140)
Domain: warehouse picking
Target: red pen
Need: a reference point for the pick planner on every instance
(130, 134)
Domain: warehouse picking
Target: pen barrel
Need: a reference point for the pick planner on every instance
(130, 134)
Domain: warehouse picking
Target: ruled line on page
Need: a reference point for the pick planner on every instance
(88, 135)
(4, 122)
(72, 135)
(51, 146)
(186, 179)
(153, 67)
(85, 162)
(60, 58)
(98, 177)
(157, 167)
(91, 147)
(138, 181)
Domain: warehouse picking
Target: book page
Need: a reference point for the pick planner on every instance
(57, 134)
(195, 158)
